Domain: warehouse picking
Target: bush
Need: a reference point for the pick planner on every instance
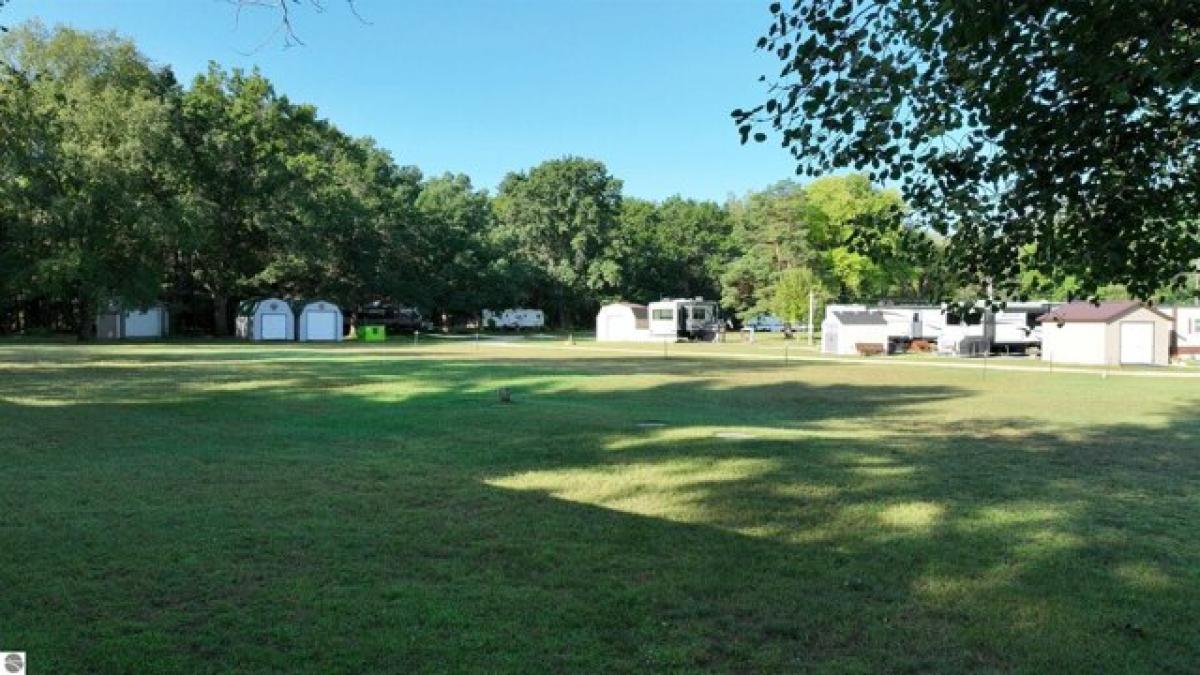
(921, 346)
(869, 348)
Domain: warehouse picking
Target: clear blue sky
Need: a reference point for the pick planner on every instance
(485, 87)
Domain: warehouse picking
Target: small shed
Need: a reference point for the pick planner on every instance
(116, 323)
(266, 319)
(843, 331)
(319, 320)
(1106, 334)
(622, 322)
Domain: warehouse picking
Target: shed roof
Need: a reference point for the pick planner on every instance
(861, 318)
(1082, 311)
(639, 311)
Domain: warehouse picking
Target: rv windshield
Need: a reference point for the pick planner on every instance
(699, 314)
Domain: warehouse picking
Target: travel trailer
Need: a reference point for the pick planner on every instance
(976, 329)
(513, 319)
(683, 318)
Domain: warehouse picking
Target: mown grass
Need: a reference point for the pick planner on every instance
(225, 507)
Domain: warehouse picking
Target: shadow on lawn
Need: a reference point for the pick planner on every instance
(313, 523)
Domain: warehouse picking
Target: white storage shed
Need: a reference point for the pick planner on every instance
(117, 324)
(622, 322)
(843, 331)
(270, 319)
(319, 320)
(1109, 333)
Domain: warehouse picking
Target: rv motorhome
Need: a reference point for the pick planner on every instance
(689, 319)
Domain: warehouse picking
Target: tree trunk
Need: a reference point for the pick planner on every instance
(220, 315)
(562, 310)
(86, 316)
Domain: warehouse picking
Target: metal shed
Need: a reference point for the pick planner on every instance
(116, 323)
(1109, 333)
(622, 322)
(843, 331)
(319, 320)
(267, 319)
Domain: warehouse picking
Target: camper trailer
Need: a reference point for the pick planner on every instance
(683, 318)
(394, 318)
(977, 329)
(514, 319)
(914, 322)
(969, 331)
(1017, 326)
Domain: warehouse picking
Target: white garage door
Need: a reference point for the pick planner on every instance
(141, 324)
(274, 326)
(323, 326)
(1137, 342)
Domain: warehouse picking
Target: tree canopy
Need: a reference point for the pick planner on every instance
(119, 184)
(1065, 130)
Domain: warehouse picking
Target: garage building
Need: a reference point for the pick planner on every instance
(843, 331)
(268, 319)
(622, 322)
(320, 320)
(1106, 334)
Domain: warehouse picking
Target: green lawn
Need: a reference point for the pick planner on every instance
(223, 507)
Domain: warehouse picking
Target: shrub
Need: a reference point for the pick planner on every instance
(869, 348)
(920, 346)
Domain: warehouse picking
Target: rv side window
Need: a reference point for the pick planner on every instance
(663, 314)
(1196, 325)
(698, 314)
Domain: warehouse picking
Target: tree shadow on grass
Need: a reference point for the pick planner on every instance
(321, 521)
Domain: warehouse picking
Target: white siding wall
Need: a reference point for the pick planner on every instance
(1080, 343)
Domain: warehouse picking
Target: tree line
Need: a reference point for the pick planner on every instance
(117, 182)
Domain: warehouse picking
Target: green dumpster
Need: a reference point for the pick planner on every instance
(374, 333)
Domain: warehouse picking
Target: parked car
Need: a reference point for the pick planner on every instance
(766, 323)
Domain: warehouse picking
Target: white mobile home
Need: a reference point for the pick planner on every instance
(319, 320)
(116, 323)
(843, 332)
(1187, 331)
(622, 322)
(1108, 333)
(268, 319)
(689, 319)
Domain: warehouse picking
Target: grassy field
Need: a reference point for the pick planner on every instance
(222, 507)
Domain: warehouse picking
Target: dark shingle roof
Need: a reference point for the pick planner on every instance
(1088, 312)
(861, 318)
